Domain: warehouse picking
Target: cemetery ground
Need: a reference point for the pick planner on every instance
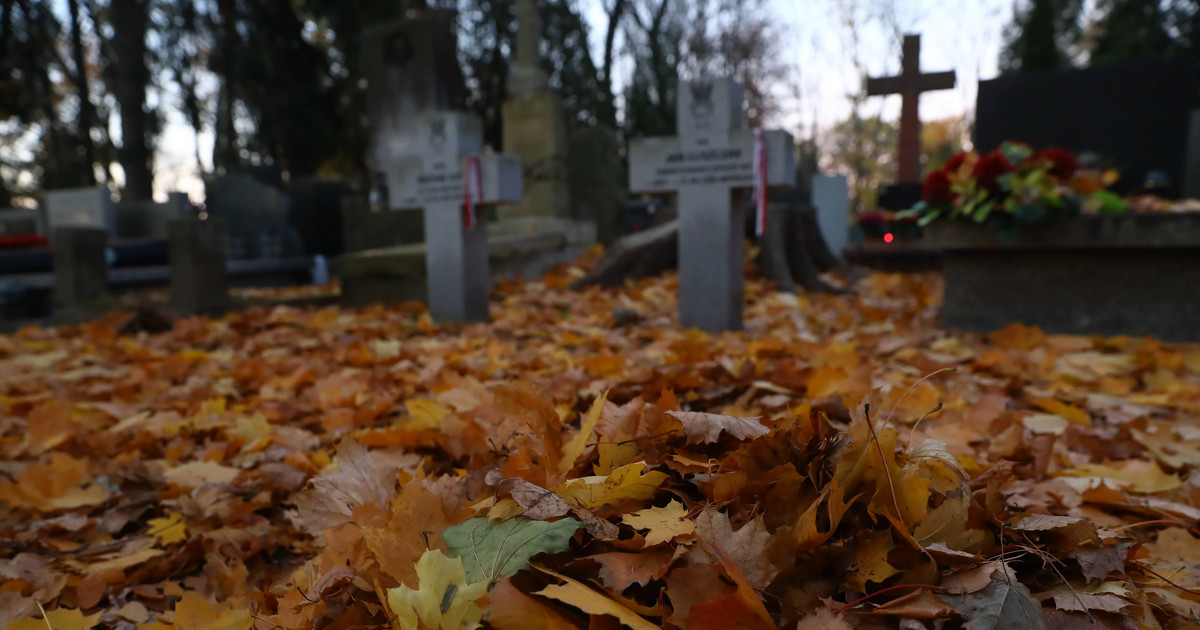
(583, 462)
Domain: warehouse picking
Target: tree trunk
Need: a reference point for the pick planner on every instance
(608, 113)
(225, 141)
(87, 111)
(131, 78)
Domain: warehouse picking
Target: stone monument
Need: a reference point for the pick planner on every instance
(535, 126)
(412, 69)
(199, 282)
(713, 156)
(80, 273)
(451, 183)
(831, 198)
(90, 206)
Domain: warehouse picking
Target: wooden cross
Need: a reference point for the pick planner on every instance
(909, 85)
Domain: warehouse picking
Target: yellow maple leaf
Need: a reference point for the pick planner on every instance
(574, 448)
(254, 432)
(871, 561)
(425, 414)
(170, 529)
(626, 483)
(665, 523)
(445, 601)
(592, 602)
(59, 619)
(195, 612)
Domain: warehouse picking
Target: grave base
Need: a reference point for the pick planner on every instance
(1092, 275)
(516, 248)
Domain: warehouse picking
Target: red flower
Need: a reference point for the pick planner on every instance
(935, 190)
(955, 162)
(988, 170)
(1063, 162)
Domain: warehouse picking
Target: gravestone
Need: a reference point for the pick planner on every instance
(1112, 274)
(597, 180)
(137, 220)
(1191, 178)
(1135, 116)
(831, 198)
(80, 207)
(412, 69)
(199, 281)
(456, 249)
(909, 84)
(317, 212)
(80, 273)
(21, 221)
(711, 158)
(535, 126)
(256, 216)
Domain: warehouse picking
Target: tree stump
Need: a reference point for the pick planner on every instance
(792, 252)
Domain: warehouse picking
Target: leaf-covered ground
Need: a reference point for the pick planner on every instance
(583, 463)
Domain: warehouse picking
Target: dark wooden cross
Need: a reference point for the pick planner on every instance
(909, 85)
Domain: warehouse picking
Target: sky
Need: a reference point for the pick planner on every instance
(960, 35)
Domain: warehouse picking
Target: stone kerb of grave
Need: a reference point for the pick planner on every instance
(713, 156)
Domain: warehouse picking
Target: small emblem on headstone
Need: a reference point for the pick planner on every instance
(437, 132)
(702, 98)
(397, 50)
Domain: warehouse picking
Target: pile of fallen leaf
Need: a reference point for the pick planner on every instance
(582, 462)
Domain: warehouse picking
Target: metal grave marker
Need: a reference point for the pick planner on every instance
(450, 181)
(713, 156)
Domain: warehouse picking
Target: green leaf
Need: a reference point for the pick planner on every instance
(492, 550)
(1005, 604)
(930, 217)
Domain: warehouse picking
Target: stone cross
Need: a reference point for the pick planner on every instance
(712, 157)
(527, 75)
(909, 84)
(456, 254)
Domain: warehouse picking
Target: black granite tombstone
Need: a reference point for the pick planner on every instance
(1134, 116)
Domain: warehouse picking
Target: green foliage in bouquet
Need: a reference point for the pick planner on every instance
(1014, 187)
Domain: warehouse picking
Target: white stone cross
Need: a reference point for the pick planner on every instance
(456, 254)
(712, 157)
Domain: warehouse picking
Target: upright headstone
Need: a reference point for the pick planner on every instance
(22, 221)
(1191, 177)
(598, 183)
(831, 198)
(535, 126)
(1135, 116)
(712, 157)
(137, 220)
(256, 216)
(80, 207)
(909, 84)
(199, 282)
(412, 69)
(80, 272)
(456, 252)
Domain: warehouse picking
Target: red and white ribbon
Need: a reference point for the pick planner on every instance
(760, 183)
(472, 189)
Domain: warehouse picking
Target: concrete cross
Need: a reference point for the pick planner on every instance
(909, 85)
(456, 254)
(712, 157)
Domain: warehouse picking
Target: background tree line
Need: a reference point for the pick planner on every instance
(86, 86)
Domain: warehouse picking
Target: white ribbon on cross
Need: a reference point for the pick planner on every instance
(760, 183)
